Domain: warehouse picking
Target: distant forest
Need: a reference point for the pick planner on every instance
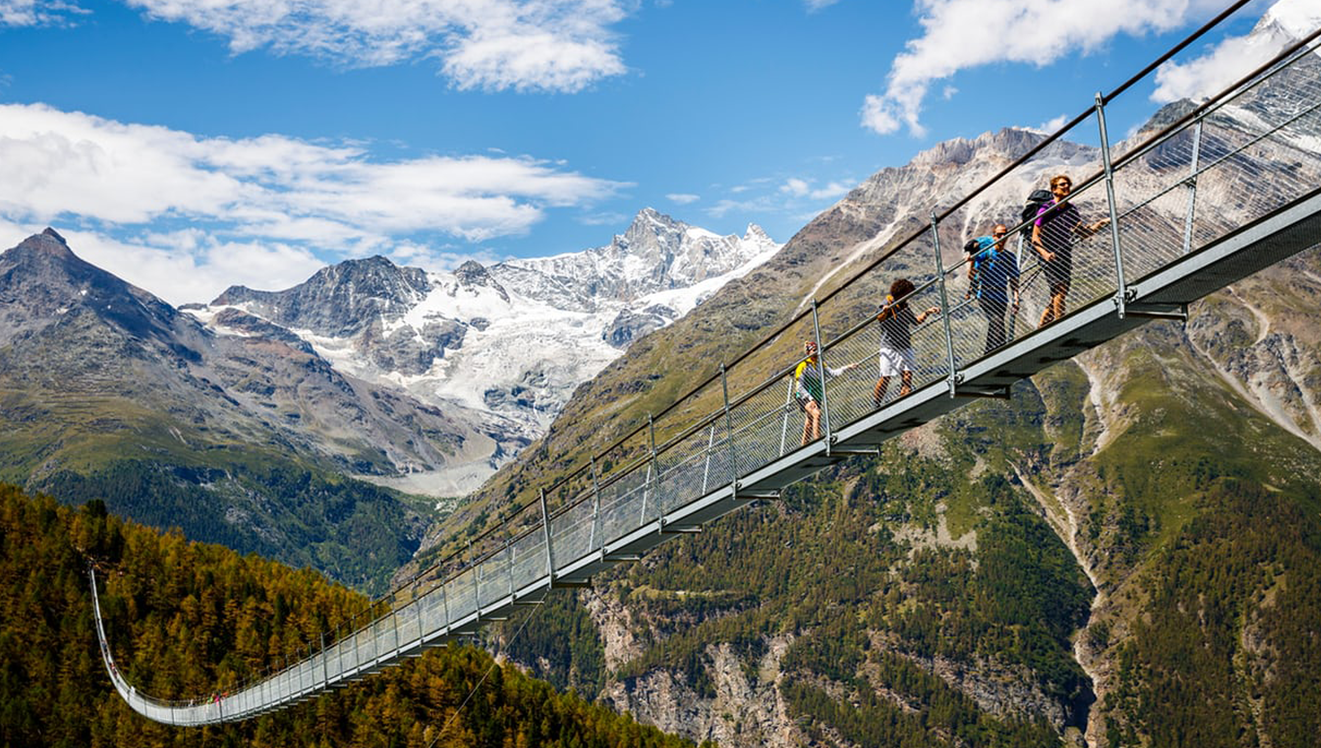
(188, 619)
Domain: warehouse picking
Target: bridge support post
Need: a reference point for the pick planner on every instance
(706, 464)
(357, 645)
(509, 563)
(1192, 188)
(476, 583)
(417, 608)
(596, 507)
(445, 602)
(944, 306)
(729, 434)
(784, 422)
(1121, 290)
(649, 488)
(821, 366)
(545, 527)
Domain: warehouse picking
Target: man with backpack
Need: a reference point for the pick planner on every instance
(1053, 231)
(993, 278)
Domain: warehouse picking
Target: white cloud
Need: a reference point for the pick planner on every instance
(792, 196)
(815, 5)
(1049, 127)
(72, 164)
(961, 34)
(184, 266)
(37, 12)
(682, 198)
(170, 204)
(524, 45)
(1236, 56)
(796, 187)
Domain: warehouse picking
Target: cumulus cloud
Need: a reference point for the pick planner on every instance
(682, 198)
(961, 34)
(1231, 59)
(524, 45)
(269, 201)
(72, 164)
(521, 45)
(187, 265)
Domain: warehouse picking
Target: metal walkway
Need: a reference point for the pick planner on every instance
(1226, 189)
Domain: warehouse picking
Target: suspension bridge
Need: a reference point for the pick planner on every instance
(1228, 187)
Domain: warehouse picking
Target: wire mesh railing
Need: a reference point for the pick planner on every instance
(1148, 202)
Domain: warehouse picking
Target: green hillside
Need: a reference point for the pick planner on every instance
(188, 619)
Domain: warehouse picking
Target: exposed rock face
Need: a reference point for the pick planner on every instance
(630, 325)
(742, 712)
(338, 300)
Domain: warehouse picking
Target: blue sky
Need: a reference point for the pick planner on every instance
(190, 144)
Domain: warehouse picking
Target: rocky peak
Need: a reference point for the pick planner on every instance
(1008, 143)
(48, 243)
(757, 234)
(337, 300)
(650, 230)
(42, 280)
(472, 273)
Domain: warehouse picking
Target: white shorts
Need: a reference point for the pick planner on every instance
(895, 362)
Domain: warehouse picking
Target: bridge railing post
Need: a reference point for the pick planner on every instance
(952, 377)
(475, 574)
(545, 528)
(596, 507)
(784, 421)
(445, 602)
(706, 464)
(729, 433)
(1193, 165)
(650, 486)
(821, 370)
(509, 564)
(1121, 290)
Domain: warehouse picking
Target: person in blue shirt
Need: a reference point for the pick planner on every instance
(993, 279)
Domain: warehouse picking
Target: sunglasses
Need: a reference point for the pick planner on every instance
(999, 233)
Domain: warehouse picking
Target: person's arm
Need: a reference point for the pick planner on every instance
(841, 370)
(922, 317)
(1013, 287)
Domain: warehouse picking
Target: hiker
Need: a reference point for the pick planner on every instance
(808, 386)
(993, 279)
(896, 354)
(1052, 238)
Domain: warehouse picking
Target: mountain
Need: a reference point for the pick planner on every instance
(500, 348)
(1126, 553)
(109, 392)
